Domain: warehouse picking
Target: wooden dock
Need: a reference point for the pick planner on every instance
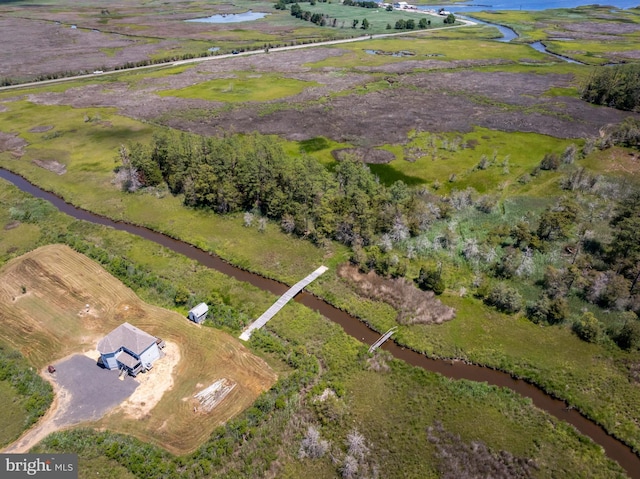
(277, 306)
(382, 339)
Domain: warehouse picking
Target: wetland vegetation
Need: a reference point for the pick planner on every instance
(518, 206)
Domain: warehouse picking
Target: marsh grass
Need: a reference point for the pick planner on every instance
(243, 87)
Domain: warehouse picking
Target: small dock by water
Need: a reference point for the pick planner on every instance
(278, 305)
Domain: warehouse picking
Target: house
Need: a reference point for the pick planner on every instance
(128, 348)
(199, 313)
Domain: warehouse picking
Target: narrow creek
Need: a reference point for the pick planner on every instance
(614, 448)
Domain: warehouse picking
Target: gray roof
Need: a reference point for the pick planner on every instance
(199, 310)
(128, 360)
(132, 338)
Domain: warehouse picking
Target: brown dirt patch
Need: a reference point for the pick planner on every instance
(413, 305)
(11, 225)
(12, 143)
(619, 160)
(41, 129)
(366, 155)
(51, 165)
(153, 384)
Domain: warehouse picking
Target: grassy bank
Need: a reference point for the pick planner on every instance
(25, 395)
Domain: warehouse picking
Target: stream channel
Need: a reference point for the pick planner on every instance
(614, 448)
(509, 34)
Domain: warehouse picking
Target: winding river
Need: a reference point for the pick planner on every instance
(614, 448)
(509, 34)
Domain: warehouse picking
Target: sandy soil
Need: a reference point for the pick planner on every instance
(153, 384)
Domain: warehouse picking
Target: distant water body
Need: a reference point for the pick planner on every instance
(230, 17)
(481, 5)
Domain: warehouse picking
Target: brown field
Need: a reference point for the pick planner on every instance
(43, 314)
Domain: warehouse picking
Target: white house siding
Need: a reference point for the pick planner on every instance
(150, 354)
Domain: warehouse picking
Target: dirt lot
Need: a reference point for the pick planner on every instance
(43, 314)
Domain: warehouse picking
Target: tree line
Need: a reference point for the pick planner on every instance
(615, 86)
(253, 174)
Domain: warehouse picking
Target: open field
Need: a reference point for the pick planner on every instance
(42, 302)
(356, 105)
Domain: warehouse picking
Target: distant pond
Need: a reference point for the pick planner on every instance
(231, 17)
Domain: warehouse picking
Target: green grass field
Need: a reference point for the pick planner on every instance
(378, 18)
(243, 87)
(13, 414)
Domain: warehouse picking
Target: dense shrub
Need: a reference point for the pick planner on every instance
(588, 328)
(504, 298)
(628, 337)
(431, 280)
(551, 161)
(548, 310)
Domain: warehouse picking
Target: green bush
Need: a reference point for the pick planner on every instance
(37, 392)
(617, 86)
(431, 280)
(588, 328)
(549, 310)
(504, 298)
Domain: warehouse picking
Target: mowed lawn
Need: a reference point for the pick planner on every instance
(43, 298)
(378, 18)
